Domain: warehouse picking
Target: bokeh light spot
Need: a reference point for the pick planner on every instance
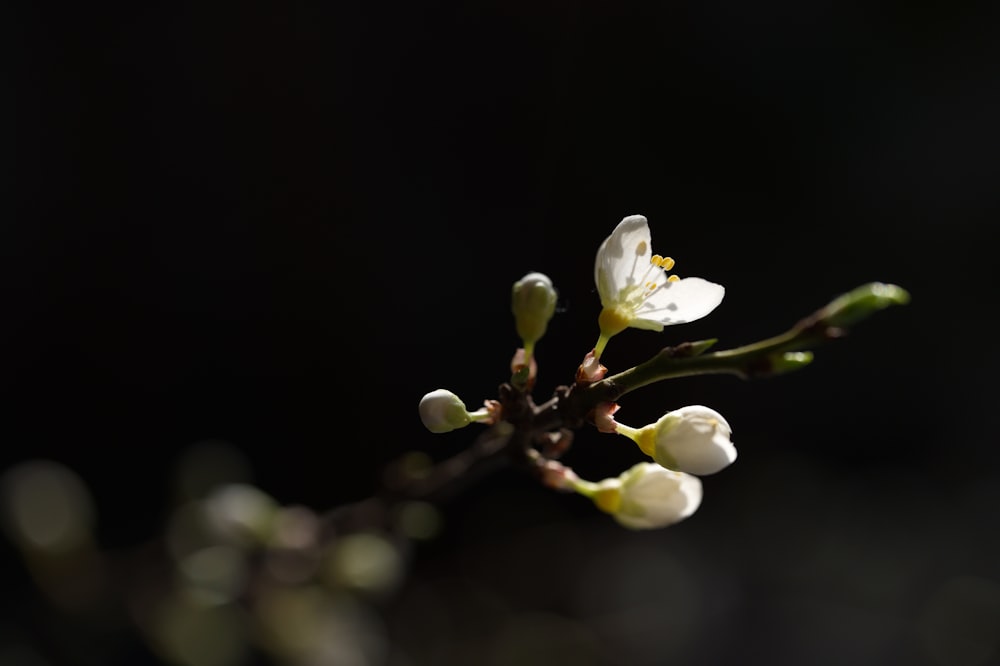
(419, 520)
(365, 562)
(217, 573)
(190, 633)
(46, 506)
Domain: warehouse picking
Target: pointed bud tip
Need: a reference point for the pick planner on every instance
(861, 302)
(701, 346)
(888, 294)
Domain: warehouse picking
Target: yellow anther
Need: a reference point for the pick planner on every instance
(667, 263)
(650, 285)
(656, 260)
(640, 248)
(673, 278)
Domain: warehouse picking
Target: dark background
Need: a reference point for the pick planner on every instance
(279, 225)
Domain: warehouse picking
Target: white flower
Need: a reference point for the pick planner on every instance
(647, 496)
(635, 289)
(443, 411)
(693, 439)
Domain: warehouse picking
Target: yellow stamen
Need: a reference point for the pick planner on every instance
(656, 260)
(673, 278)
(667, 263)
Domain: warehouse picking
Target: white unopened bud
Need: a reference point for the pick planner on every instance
(646, 496)
(443, 411)
(693, 439)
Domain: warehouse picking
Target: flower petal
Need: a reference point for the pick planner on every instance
(650, 324)
(680, 302)
(694, 439)
(622, 258)
(656, 497)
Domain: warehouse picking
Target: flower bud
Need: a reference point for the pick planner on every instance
(692, 439)
(443, 411)
(533, 302)
(857, 304)
(647, 496)
(789, 361)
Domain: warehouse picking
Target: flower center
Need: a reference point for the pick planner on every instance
(635, 295)
(614, 320)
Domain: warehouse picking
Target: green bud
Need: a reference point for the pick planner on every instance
(701, 346)
(789, 361)
(533, 302)
(859, 303)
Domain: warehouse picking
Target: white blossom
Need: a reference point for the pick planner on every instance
(636, 290)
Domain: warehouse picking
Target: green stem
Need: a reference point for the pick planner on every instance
(479, 415)
(776, 355)
(602, 342)
(628, 431)
(585, 488)
(753, 360)
(759, 359)
(529, 351)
